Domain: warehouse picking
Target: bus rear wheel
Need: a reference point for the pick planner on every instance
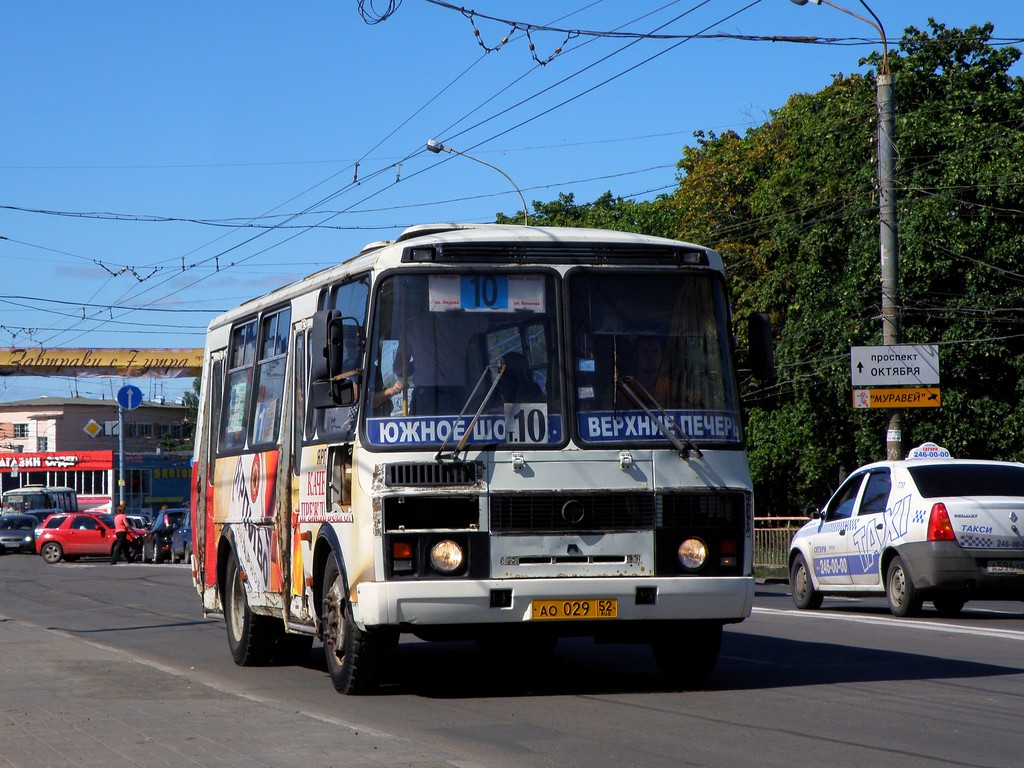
(251, 637)
(352, 654)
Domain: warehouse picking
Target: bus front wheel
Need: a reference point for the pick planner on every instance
(352, 654)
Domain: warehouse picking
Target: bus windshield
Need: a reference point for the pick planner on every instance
(450, 346)
(649, 347)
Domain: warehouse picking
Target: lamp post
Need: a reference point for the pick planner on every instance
(888, 233)
(437, 147)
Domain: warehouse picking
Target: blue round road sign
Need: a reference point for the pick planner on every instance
(129, 397)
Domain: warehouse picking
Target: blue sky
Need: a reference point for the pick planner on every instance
(147, 149)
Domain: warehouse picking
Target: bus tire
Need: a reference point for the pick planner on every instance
(805, 596)
(687, 653)
(352, 654)
(252, 638)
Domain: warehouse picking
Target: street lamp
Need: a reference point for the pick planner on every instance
(436, 147)
(888, 233)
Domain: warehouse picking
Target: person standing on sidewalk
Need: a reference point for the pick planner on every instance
(122, 530)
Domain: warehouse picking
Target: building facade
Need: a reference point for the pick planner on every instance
(74, 442)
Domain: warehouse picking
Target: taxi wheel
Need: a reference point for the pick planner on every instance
(804, 594)
(904, 599)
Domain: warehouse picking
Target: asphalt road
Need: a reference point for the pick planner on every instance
(847, 685)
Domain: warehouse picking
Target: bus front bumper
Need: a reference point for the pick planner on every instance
(511, 601)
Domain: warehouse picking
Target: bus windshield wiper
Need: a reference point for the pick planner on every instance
(682, 442)
(499, 371)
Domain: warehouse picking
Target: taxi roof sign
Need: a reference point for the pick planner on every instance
(929, 451)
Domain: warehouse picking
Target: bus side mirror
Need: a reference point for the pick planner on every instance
(761, 346)
(335, 350)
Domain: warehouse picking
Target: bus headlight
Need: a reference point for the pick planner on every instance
(692, 554)
(446, 556)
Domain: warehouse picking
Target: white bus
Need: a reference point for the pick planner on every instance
(40, 500)
(509, 434)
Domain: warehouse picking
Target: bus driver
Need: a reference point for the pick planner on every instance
(433, 353)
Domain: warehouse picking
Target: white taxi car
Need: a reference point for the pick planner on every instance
(928, 528)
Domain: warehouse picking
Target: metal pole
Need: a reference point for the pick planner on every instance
(888, 233)
(889, 244)
(435, 146)
(120, 454)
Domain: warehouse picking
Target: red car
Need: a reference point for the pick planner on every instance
(70, 536)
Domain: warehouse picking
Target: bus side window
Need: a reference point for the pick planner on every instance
(217, 392)
(351, 300)
(299, 417)
(241, 358)
(270, 369)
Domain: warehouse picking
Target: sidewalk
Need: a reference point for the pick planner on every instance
(65, 701)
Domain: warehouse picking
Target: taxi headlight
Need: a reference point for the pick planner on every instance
(692, 554)
(446, 556)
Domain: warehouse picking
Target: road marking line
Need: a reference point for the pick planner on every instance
(927, 626)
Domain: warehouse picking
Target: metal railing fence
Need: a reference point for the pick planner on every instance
(771, 542)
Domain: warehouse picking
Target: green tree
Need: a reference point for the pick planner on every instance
(792, 207)
(606, 212)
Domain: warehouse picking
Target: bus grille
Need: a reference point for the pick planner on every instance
(572, 512)
(432, 474)
(703, 510)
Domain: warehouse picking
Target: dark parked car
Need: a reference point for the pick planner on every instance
(181, 541)
(39, 514)
(157, 547)
(18, 533)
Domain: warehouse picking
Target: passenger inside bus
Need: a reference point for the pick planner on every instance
(645, 377)
(434, 355)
